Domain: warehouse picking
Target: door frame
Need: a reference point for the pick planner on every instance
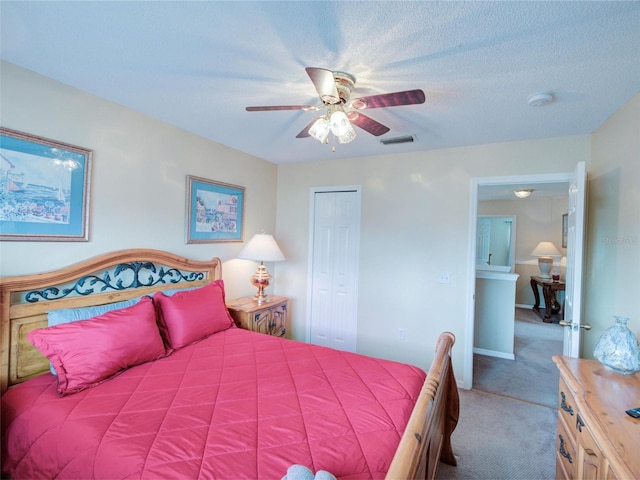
(312, 212)
(477, 182)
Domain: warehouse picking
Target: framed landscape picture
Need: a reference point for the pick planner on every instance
(215, 211)
(44, 189)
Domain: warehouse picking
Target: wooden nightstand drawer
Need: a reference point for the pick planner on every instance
(270, 318)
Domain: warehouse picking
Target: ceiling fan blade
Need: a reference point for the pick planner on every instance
(407, 97)
(281, 107)
(325, 84)
(368, 124)
(305, 132)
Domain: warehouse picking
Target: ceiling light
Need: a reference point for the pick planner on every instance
(339, 123)
(523, 193)
(320, 130)
(347, 136)
(335, 122)
(540, 99)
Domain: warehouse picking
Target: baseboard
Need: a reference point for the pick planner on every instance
(522, 305)
(493, 353)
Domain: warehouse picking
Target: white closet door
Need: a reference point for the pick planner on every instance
(334, 269)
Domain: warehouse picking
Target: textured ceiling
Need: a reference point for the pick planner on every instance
(197, 65)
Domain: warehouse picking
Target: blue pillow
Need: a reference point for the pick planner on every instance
(68, 315)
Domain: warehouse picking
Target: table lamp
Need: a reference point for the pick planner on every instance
(545, 251)
(261, 248)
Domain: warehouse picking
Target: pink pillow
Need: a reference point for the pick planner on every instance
(87, 352)
(188, 316)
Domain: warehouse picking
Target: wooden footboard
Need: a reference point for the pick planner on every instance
(427, 439)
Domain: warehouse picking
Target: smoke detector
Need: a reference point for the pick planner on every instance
(540, 99)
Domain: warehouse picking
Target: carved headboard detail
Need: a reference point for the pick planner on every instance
(107, 278)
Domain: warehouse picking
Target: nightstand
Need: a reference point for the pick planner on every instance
(269, 318)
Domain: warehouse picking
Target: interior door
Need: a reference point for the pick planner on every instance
(575, 261)
(334, 269)
(483, 241)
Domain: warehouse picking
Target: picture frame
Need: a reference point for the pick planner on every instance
(44, 189)
(215, 211)
(565, 229)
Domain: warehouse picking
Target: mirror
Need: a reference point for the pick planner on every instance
(495, 243)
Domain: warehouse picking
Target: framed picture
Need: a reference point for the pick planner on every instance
(44, 189)
(215, 211)
(565, 229)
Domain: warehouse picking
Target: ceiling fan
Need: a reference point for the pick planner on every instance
(334, 89)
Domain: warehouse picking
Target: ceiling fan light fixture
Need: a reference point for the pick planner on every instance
(346, 137)
(334, 89)
(339, 123)
(320, 130)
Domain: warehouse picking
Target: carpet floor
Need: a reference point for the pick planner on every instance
(499, 438)
(507, 424)
(532, 376)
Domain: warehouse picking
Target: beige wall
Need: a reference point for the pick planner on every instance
(139, 177)
(494, 314)
(415, 224)
(613, 252)
(415, 211)
(537, 220)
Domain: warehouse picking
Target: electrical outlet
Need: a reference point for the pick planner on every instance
(444, 277)
(401, 334)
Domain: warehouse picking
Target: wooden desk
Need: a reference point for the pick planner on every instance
(553, 310)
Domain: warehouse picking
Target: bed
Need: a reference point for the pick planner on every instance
(158, 382)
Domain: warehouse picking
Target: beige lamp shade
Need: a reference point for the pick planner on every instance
(262, 248)
(545, 251)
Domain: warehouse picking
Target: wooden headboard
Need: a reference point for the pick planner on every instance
(108, 278)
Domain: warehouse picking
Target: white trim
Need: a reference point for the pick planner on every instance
(522, 305)
(524, 179)
(497, 275)
(493, 353)
(312, 191)
(471, 277)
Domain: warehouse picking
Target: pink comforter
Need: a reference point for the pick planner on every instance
(235, 405)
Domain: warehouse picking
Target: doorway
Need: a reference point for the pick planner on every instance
(507, 183)
(334, 253)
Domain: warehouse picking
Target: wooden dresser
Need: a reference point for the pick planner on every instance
(596, 439)
(269, 318)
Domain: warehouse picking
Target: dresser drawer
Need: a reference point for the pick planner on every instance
(593, 430)
(567, 406)
(566, 456)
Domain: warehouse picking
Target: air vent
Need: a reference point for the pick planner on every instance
(397, 140)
